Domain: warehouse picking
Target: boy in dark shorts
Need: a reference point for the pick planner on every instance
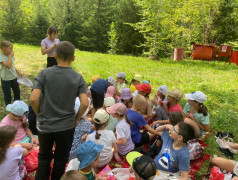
(53, 100)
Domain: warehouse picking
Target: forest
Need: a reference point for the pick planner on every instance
(151, 28)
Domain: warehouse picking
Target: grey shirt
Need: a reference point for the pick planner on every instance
(60, 86)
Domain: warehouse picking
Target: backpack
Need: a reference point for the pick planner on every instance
(196, 150)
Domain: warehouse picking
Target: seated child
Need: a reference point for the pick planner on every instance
(174, 155)
(17, 118)
(172, 105)
(143, 166)
(11, 162)
(108, 102)
(195, 113)
(145, 90)
(83, 127)
(111, 92)
(104, 137)
(126, 97)
(121, 82)
(135, 81)
(73, 175)
(123, 130)
(138, 121)
(88, 156)
(160, 96)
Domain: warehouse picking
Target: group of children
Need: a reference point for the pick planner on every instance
(93, 125)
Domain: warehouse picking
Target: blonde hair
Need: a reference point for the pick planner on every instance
(138, 99)
(73, 175)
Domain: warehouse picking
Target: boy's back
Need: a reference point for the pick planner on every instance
(60, 86)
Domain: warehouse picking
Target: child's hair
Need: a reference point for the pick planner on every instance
(97, 127)
(126, 82)
(5, 44)
(73, 175)
(7, 135)
(51, 30)
(202, 109)
(24, 124)
(175, 117)
(186, 130)
(138, 99)
(65, 50)
(132, 81)
(126, 118)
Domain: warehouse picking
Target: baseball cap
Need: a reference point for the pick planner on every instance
(144, 87)
(109, 101)
(143, 165)
(177, 94)
(197, 96)
(121, 75)
(19, 108)
(126, 94)
(163, 89)
(101, 116)
(111, 80)
(118, 108)
(145, 82)
(87, 153)
(111, 91)
(96, 77)
(137, 77)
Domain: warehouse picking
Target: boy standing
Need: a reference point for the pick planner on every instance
(52, 99)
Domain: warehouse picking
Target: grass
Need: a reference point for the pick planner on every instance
(219, 81)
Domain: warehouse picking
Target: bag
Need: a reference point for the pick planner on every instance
(196, 150)
(216, 174)
(106, 173)
(31, 161)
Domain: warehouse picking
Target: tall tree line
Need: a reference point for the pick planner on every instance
(148, 27)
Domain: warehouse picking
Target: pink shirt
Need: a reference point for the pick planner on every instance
(176, 107)
(21, 133)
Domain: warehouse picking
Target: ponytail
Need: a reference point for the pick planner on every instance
(97, 127)
(203, 109)
(126, 82)
(128, 120)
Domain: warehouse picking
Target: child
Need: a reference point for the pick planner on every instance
(48, 45)
(195, 112)
(174, 155)
(145, 90)
(9, 73)
(138, 121)
(111, 81)
(104, 137)
(73, 175)
(160, 96)
(111, 92)
(121, 82)
(126, 97)
(53, 98)
(11, 162)
(108, 102)
(143, 166)
(17, 118)
(88, 155)
(172, 105)
(123, 131)
(135, 81)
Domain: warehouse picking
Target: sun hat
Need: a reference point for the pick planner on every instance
(94, 78)
(118, 108)
(111, 80)
(144, 87)
(101, 116)
(111, 91)
(163, 89)
(145, 82)
(137, 77)
(177, 94)
(109, 101)
(143, 165)
(121, 75)
(126, 94)
(19, 108)
(196, 96)
(87, 153)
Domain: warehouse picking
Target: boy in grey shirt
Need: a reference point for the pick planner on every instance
(53, 99)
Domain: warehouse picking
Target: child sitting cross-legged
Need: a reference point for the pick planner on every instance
(138, 121)
(104, 137)
(173, 160)
(17, 118)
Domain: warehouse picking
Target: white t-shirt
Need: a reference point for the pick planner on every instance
(107, 138)
(123, 129)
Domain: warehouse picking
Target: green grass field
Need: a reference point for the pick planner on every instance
(219, 81)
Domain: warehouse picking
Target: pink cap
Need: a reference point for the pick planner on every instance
(111, 91)
(118, 108)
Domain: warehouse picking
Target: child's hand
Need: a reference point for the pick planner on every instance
(161, 103)
(53, 46)
(28, 146)
(190, 115)
(20, 73)
(154, 123)
(11, 54)
(34, 141)
(84, 137)
(168, 127)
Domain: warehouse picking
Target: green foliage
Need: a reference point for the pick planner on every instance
(112, 39)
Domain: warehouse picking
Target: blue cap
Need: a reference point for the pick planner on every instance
(87, 153)
(145, 82)
(18, 108)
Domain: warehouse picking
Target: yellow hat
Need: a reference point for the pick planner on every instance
(177, 94)
(131, 156)
(94, 78)
(137, 77)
